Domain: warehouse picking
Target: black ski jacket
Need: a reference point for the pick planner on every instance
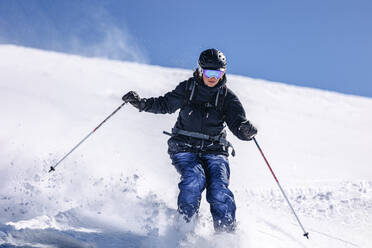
(199, 115)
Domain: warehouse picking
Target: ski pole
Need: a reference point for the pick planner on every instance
(306, 234)
(53, 168)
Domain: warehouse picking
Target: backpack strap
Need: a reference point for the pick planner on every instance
(222, 92)
(220, 138)
(190, 90)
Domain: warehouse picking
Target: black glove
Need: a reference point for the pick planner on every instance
(133, 98)
(247, 131)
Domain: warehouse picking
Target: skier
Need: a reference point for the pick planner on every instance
(198, 147)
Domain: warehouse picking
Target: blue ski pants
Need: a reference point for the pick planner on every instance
(208, 171)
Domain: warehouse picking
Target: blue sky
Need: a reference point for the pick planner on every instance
(321, 44)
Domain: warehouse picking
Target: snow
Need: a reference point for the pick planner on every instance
(119, 189)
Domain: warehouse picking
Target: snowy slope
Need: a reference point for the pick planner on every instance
(119, 188)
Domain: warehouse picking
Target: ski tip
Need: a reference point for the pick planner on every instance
(51, 169)
(306, 235)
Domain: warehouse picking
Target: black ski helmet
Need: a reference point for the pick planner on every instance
(212, 59)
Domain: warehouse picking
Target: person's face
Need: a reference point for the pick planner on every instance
(210, 82)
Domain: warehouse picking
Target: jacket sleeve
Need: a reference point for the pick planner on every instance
(168, 103)
(234, 113)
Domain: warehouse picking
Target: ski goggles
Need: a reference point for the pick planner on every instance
(212, 73)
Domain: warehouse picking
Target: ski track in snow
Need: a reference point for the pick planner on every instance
(114, 191)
